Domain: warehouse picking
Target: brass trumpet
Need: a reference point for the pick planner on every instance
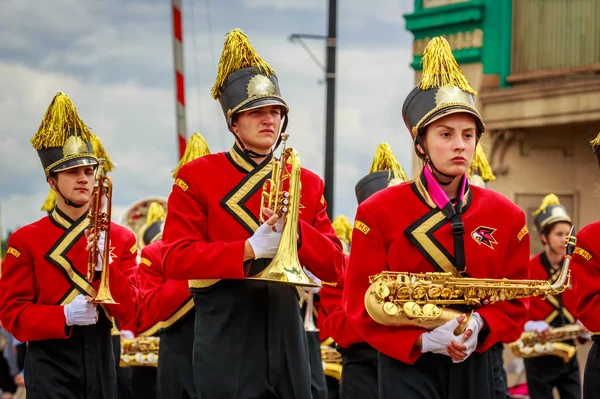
(285, 266)
(100, 221)
(422, 299)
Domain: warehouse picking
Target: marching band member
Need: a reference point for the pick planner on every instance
(46, 294)
(546, 372)
(359, 359)
(168, 303)
(586, 285)
(480, 174)
(438, 223)
(249, 334)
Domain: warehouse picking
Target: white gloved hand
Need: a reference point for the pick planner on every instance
(475, 324)
(265, 241)
(127, 334)
(99, 263)
(435, 341)
(586, 334)
(536, 325)
(80, 312)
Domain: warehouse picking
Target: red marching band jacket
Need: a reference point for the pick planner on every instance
(418, 238)
(165, 300)
(333, 321)
(199, 247)
(45, 268)
(549, 309)
(585, 269)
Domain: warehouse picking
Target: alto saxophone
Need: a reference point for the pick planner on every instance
(530, 344)
(285, 266)
(422, 299)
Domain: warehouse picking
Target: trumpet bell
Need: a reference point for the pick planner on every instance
(286, 270)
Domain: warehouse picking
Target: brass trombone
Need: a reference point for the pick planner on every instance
(285, 266)
(100, 221)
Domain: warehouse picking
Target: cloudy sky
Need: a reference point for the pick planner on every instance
(114, 59)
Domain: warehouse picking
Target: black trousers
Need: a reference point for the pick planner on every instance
(318, 384)
(359, 372)
(123, 373)
(80, 367)
(434, 376)
(544, 373)
(143, 381)
(500, 382)
(249, 342)
(175, 372)
(591, 376)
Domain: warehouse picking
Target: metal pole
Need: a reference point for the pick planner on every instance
(330, 108)
(179, 76)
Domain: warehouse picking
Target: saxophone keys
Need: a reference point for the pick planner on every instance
(390, 308)
(411, 309)
(434, 293)
(382, 291)
(431, 310)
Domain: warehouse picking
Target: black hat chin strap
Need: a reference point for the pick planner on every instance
(429, 162)
(68, 202)
(254, 154)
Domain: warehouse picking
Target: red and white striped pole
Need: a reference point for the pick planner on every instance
(179, 76)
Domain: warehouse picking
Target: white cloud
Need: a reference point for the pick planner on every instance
(135, 117)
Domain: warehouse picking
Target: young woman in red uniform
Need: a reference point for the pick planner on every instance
(45, 291)
(586, 285)
(544, 373)
(249, 335)
(438, 223)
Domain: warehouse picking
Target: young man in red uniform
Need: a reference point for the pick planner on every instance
(359, 359)
(168, 307)
(544, 373)
(586, 285)
(45, 291)
(249, 335)
(438, 223)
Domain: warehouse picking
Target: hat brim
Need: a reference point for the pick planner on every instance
(263, 102)
(75, 163)
(455, 109)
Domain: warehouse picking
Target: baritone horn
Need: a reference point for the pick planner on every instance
(285, 266)
(100, 222)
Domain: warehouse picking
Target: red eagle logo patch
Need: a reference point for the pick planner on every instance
(484, 235)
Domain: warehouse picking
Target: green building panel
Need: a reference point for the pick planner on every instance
(478, 31)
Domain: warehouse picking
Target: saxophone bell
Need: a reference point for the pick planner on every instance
(285, 266)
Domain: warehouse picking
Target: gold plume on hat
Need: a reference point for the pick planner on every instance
(196, 147)
(550, 199)
(61, 116)
(385, 159)
(237, 54)
(440, 68)
(343, 228)
(100, 152)
(155, 213)
(480, 165)
(596, 142)
(50, 202)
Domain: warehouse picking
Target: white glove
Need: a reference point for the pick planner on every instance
(436, 340)
(99, 263)
(475, 324)
(586, 334)
(313, 278)
(127, 334)
(80, 312)
(265, 241)
(536, 325)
